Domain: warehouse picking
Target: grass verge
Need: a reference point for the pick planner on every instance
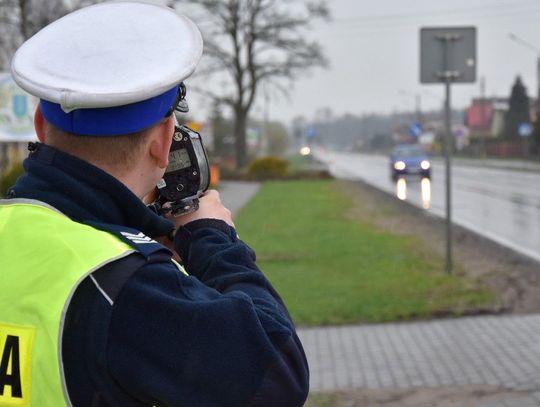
(333, 267)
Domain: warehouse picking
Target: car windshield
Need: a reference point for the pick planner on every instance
(413, 151)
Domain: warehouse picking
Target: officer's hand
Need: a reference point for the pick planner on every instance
(210, 207)
(151, 196)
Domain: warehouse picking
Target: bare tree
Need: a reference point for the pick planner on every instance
(20, 19)
(254, 42)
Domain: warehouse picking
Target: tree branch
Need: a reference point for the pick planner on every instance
(265, 41)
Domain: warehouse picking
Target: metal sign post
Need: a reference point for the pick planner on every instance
(448, 146)
(448, 55)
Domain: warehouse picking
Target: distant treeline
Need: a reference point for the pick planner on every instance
(375, 131)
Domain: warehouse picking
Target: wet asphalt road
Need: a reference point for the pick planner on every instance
(501, 204)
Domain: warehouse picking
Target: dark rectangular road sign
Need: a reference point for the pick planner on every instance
(448, 53)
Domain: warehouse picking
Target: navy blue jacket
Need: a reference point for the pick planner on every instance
(219, 337)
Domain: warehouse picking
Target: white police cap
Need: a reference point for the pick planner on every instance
(108, 69)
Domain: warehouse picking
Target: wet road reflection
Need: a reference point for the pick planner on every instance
(502, 205)
(401, 189)
(425, 190)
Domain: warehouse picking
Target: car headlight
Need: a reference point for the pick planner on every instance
(425, 165)
(399, 165)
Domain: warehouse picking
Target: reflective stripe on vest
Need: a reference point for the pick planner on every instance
(43, 257)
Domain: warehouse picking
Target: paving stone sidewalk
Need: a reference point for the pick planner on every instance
(235, 194)
(499, 351)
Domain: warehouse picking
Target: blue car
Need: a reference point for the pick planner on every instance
(409, 159)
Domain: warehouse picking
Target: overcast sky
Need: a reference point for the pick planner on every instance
(373, 48)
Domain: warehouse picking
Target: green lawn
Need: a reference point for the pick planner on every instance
(331, 268)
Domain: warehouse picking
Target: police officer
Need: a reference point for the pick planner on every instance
(93, 310)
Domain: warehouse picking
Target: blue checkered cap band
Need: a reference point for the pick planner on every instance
(111, 121)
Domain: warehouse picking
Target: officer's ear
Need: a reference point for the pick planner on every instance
(161, 141)
(39, 124)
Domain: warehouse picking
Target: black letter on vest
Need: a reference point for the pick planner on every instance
(11, 351)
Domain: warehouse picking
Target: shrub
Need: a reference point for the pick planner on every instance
(267, 168)
(9, 178)
(229, 174)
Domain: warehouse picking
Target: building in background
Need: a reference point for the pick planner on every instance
(16, 121)
(485, 117)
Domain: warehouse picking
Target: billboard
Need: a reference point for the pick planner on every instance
(16, 112)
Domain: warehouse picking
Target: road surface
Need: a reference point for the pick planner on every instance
(500, 204)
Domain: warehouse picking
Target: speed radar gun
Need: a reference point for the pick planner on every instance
(188, 174)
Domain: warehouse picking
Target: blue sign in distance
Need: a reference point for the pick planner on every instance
(310, 132)
(415, 129)
(525, 129)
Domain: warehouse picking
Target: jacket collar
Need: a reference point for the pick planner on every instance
(84, 192)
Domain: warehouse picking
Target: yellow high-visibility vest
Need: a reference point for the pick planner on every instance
(43, 257)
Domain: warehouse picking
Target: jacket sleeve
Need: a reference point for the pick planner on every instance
(220, 337)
